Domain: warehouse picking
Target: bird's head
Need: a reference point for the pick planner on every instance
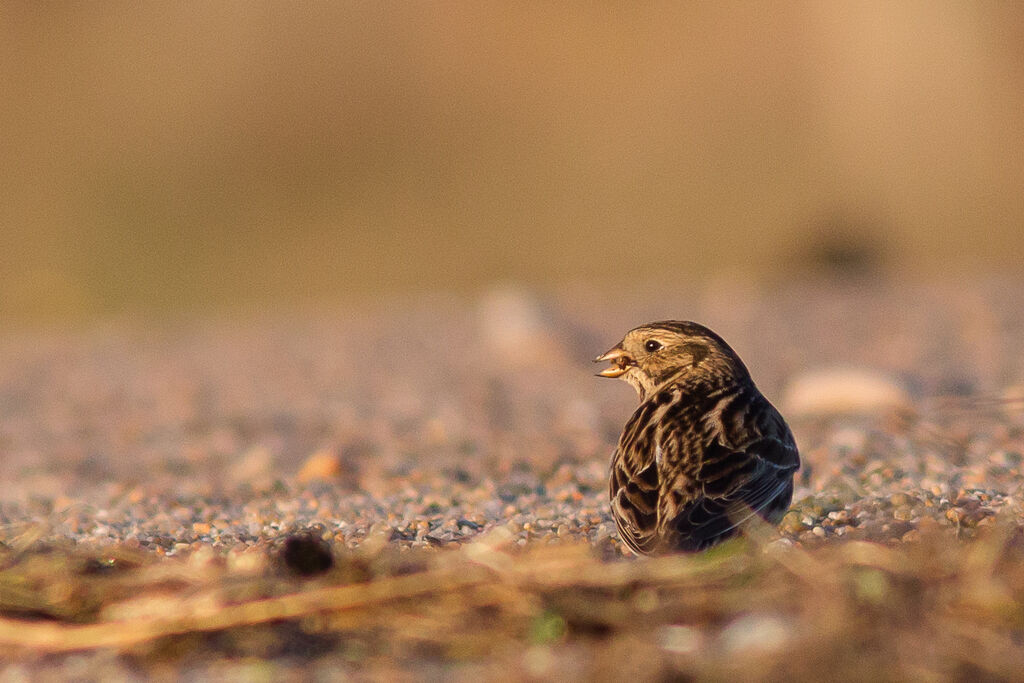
(652, 354)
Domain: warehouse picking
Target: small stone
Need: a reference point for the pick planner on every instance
(792, 524)
(514, 326)
(681, 640)
(899, 499)
(756, 633)
(843, 391)
(903, 513)
(840, 516)
(322, 465)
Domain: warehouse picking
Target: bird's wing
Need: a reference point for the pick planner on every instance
(747, 437)
(738, 462)
(634, 482)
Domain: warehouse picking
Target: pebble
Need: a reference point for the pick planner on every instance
(755, 634)
(322, 465)
(681, 640)
(843, 391)
(514, 326)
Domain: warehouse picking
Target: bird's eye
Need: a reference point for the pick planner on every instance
(652, 345)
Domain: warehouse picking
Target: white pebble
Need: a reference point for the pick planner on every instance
(843, 391)
(681, 640)
(756, 633)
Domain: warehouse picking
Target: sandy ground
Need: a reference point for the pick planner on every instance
(422, 426)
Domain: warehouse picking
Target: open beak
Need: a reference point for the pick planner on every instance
(620, 362)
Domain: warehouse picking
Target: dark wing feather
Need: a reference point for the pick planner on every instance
(634, 483)
(746, 467)
(635, 507)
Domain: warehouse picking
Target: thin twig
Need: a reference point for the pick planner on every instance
(57, 637)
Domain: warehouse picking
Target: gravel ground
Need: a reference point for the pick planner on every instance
(425, 423)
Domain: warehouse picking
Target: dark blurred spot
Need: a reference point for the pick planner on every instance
(844, 255)
(306, 554)
(591, 628)
(806, 470)
(95, 566)
(459, 475)
(843, 244)
(956, 386)
(508, 493)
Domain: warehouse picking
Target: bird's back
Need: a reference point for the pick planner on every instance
(692, 466)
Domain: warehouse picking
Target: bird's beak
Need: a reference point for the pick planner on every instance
(619, 359)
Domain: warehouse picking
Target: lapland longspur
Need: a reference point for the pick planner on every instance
(704, 452)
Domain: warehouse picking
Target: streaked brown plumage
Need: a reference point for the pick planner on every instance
(703, 452)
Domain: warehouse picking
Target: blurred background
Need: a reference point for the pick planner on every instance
(168, 158)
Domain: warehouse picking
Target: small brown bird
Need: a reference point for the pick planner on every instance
(704, 452)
